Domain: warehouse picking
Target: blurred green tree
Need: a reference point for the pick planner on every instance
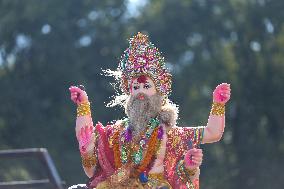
(46, 46)
(239, 42)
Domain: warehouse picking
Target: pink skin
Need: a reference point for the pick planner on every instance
(85, 138)
(78, 96)
(215, 127)
(193, 158)
(222, 93)
(84, 133)
(147, 88)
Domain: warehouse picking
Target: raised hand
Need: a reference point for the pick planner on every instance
(78, 95)
(86, 139)
(222, 93)
(193, 158)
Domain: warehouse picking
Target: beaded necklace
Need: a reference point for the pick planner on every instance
(125, 150)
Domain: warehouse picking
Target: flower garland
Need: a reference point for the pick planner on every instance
(116, 154)
(149, 142)
(183, 175)
(153, 147)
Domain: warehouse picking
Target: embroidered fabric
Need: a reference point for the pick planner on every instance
(173, 145)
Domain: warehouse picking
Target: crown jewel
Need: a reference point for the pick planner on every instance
(143, 58)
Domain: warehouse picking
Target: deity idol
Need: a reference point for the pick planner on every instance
(146, 149)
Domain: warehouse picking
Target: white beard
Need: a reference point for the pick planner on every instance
(140, 112)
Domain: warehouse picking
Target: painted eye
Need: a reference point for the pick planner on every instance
(147, 86)
(136, 87)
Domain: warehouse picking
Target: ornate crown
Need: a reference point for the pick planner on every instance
(143, 58)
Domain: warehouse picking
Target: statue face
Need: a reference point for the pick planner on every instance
(142, 84)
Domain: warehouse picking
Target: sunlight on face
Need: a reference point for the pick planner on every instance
(143, 84)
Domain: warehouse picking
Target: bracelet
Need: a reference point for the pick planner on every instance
(189, 172)
(217, 109)
(89, 161)
(184, 174)
(84, 109)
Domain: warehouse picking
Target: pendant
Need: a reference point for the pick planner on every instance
(138, 157)
(143, 177)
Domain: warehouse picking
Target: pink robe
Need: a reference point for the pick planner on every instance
(176, 141)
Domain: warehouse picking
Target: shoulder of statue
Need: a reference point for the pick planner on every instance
(180, 132)
(168, 115)
(173, 130)
(120, 124)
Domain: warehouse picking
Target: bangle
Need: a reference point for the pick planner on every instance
(217, 109)
(89, 161)
(184, 175)
(189, 172)
(83, 109)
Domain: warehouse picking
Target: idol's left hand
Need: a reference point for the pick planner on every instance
(222, 93)
(86, 139)
(193, 158)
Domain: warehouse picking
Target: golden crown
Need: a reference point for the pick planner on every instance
(143, 58)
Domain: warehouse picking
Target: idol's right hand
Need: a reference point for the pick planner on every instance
(78, 95)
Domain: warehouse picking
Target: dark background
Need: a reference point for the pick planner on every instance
(46, 46)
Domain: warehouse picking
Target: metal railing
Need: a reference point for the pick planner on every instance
(40, 153)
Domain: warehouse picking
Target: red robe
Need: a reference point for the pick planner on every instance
(177, 142)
